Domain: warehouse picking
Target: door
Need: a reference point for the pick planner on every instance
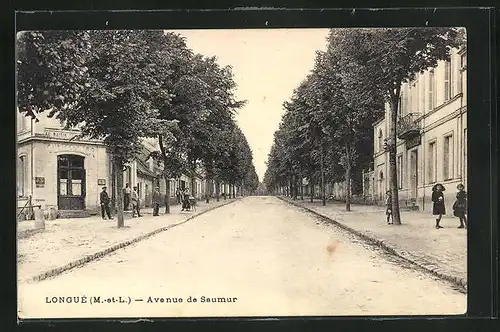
(381, 186)
(70, 182)
(414, 173)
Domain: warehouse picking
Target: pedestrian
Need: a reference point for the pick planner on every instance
(135, 203)
(460, 206)
(126, 197)
(438, 207)
(156, 201)
(179, 196)
(388, 209)
(104, 198)
(185, 200)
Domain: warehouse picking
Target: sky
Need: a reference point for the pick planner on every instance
(268, 64)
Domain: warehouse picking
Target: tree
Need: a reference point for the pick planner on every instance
(352, 108)
(115, 103)
(389, 57)
(51, 68)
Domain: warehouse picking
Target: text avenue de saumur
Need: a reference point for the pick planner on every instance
(129, 300)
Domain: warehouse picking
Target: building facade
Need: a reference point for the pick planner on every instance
(432, 137)
(63, 173)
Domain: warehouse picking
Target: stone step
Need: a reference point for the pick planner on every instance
(74, 214)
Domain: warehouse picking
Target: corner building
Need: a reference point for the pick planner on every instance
(432, 136)
(65, 174)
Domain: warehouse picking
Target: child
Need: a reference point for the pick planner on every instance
(388, 210)
(438, 207)
(460, 206)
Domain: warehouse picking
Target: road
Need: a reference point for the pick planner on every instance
(262, 256)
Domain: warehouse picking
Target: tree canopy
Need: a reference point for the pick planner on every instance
(120, 86)
(328, 121)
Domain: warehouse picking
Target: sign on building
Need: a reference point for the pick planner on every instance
(39, 182)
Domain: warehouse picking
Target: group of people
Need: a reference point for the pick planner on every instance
(438, 206)
(131, 198)
(185, 198)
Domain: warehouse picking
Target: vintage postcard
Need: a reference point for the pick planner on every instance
(241, 172)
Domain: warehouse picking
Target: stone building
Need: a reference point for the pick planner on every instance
(65, 174)
(432, 137)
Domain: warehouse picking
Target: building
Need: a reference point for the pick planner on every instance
(432, 137)
(65, 174)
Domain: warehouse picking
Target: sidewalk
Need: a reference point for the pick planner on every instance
(443, 251)
(65, 240)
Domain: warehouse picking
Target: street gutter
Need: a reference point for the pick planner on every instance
(406, 256)
(88, 258)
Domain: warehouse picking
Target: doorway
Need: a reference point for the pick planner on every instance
(70, 182)
(414, 173)
(381, 186)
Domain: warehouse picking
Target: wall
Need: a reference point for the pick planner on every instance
(45, 165)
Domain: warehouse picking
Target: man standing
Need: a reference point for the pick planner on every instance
(104, 197)
(156, 201)
(179, 196)
(135, 203)
(126, 197)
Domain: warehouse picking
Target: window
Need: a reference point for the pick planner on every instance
(127, 177)
(448, 158)
(172, 188)
(401, 104)
(21, 123)
(447, 80)
(463, 61)
(430, 99)
(400, 171)
(432, 162)
(417, 97)
(463, 68)
(21, 176)
(421, 96)
(410, 106)
(380, 140)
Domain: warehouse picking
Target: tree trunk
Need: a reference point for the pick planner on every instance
(217, 189)
(296, 185)
(193, 178)
(208, 188)
(392, 162)
(301, 188)
(167, 195)
(323, 196)
(113, 189)
(311, 185)
(348, 178)
(119, 194)
(234, 191)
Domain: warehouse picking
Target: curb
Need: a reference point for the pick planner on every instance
(457, 281)
(28, 232)
(88, 258)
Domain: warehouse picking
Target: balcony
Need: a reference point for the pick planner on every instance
(408, 126)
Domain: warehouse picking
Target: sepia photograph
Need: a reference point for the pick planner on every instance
(241, 172)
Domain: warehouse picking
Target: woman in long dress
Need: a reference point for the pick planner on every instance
(185, 201)
(460, 206)
(438, 207)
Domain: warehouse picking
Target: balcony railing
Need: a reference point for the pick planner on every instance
(409, 126)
